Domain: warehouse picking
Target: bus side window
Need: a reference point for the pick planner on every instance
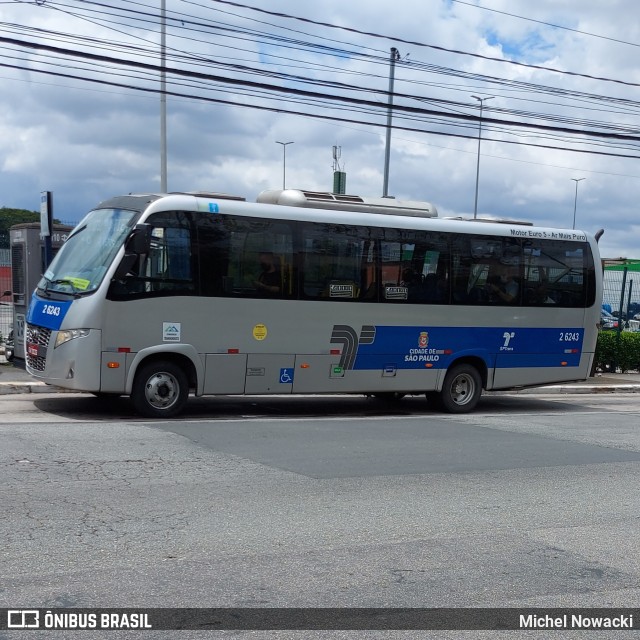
(168, 268)
(169, 264)
(252, 244)
(434, 256)
(414, 267)
(333, 262)
(214, 247)
(483, 268)
(558, 274)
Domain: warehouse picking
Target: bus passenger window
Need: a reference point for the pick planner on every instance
(269, 279)
(260, 259)
(416, 270)
(334, 262)
(502, 284)
(214, 239)
(168, 267)
(558, 273)
(487, 271)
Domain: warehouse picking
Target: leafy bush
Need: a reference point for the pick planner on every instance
(621, 352)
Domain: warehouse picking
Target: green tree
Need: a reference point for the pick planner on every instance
(9, 217)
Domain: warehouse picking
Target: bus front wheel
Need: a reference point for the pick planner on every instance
(461, 389)
(160, 390)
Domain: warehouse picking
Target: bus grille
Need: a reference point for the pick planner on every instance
(37, 336)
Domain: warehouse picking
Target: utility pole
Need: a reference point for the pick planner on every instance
(395, 55)
(475, 206)
(163, 96)
(575, 200)
(284, 162)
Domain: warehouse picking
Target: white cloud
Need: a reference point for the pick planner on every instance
(86, 142)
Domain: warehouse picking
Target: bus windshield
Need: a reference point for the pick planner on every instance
(82, 261)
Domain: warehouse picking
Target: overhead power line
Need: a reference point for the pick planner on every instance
(547, 24)
(316, 115)
(402, 109)
(586, 135)
(415, 43)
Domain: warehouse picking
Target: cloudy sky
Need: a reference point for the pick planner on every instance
(559, 79)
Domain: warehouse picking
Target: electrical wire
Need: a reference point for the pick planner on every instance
(336, 95)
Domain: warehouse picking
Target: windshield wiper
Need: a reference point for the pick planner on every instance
(77, 231)
(65, 281)
(76, 293)
(45, 289)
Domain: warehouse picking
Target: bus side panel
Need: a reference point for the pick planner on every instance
(318, 374)
(269, 373)
(402, 380)
(507, 377)
(113, 371)
(531, 356)
(324, 374)
(225, 373)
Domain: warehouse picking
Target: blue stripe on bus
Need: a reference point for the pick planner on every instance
(45, 313)
(436, 347)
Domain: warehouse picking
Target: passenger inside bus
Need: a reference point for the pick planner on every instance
(539, 295)
(269, 279)
(502, 284)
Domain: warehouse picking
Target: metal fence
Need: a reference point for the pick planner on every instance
(621, 291)
(6, 304)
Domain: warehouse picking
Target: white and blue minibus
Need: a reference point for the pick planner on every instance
(156, 296)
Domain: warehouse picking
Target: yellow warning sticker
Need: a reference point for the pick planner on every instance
(260, 332)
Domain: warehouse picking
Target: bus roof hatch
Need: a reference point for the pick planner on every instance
(342, 202)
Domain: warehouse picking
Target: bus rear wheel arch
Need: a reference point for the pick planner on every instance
(461, 389)
(160, 389)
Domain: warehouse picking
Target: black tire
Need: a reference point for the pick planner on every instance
(461, 390)
(433, 398)
(160, 390)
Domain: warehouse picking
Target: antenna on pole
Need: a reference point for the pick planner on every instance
(339, 176)
(337, 152)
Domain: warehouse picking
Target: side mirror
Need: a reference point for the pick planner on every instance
(125, 266)
(139, 241)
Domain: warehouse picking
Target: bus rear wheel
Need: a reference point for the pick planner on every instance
(461, 389)
(160, 390)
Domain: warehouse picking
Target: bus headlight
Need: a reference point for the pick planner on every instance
(70, 334)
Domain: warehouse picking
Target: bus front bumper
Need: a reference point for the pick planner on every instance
(74, 364)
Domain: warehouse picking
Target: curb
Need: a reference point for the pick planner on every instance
(14, 388)
(573, 389)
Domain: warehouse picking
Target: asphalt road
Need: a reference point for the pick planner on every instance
(531, 501)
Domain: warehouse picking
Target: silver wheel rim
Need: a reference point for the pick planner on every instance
(462, 389)
(161, 390)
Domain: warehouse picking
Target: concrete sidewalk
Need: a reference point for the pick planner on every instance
(14, 379)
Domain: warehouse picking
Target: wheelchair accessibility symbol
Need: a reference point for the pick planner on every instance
(286, 376)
